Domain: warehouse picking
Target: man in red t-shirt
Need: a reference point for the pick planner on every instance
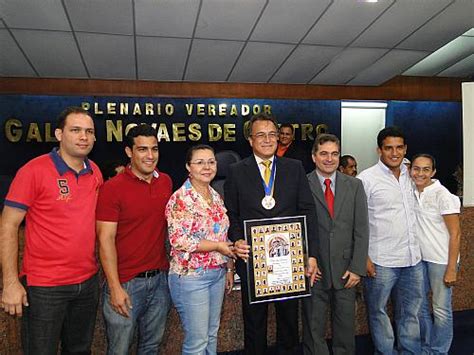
(131, 228)
(59, 289)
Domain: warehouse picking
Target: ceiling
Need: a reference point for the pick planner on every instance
(338, 42)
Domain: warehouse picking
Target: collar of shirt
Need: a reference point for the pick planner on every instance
(386, 169)
(281, 150)
(129, 172)
(261, 167)
(62, 167)
(259, 160)
(332, 178)
(435, 184)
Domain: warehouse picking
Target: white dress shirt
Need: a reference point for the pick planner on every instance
(261, 167)
(323, 185)
(432, 204)
(391, 202)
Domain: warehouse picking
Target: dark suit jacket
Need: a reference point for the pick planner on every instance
(298, 152)
(244, 191)
(343, 242)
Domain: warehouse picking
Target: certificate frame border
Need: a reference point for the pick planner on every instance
(248, 224)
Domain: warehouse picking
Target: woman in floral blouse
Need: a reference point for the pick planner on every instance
(201, 264)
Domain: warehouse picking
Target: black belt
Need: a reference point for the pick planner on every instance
(149, 273)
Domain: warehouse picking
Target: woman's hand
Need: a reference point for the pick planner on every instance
(229, 280)
(226, 248)
(242, 249)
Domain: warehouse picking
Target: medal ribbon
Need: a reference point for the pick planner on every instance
(269, 187)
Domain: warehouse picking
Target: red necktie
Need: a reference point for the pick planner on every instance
(329, 196)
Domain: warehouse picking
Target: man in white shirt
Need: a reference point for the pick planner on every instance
(393, 265)
(439, 234)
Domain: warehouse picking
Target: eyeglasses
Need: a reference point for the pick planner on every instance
(202, 163)
(263, 135)
(425, 170)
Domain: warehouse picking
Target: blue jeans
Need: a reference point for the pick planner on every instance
(407, 286)
(198, 300)
(150, 305)
(436, 336)
(60, 313)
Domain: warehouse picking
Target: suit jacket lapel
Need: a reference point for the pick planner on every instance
(316, 189)
(253, 173)
(341, 191)
(279, 178)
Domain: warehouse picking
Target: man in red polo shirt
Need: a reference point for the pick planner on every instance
(131, 228)
(57, 289)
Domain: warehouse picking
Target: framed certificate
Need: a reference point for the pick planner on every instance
(278, 257)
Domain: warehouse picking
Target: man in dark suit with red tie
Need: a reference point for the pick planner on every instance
(342, 245)
(264, 186)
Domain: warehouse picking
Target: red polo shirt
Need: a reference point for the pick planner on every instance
(60, 219)
(139, 209)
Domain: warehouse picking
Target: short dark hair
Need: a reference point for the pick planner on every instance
(262, 117)
(392, 131)
(424, 155)
(192, 149)
(61, 119)
(288, 125)
(344, 160)
(324, 138)
(142, 129)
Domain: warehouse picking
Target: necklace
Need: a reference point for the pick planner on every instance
(208, 199)
(206, 195)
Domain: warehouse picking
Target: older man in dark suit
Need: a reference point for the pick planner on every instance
(246, 199)
(343, 237)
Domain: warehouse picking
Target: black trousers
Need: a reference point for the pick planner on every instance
(60, 313)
